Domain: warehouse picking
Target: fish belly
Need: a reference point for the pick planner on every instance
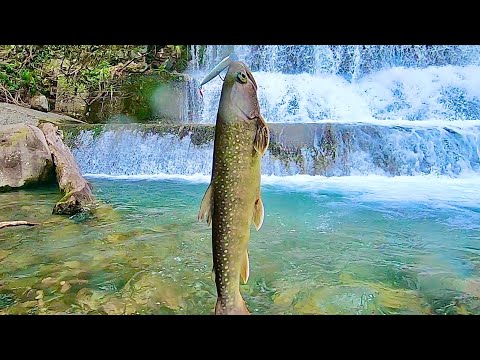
(236, 183)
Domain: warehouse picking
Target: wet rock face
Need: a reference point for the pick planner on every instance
(24, 156)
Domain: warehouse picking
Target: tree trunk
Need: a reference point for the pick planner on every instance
(77, 191)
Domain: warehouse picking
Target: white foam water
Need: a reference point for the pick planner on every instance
(438, 92)
(463, 191)
(336, 149)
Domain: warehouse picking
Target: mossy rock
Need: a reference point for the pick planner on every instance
(286, 154)
(200, 134)
(153, 98)
(25, 159)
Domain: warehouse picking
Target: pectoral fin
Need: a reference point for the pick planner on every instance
(245, 270)
(206, 207)
(262, 136)
(258, 213)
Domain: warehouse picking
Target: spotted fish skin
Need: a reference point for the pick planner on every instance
(237, 184)
(233, 202)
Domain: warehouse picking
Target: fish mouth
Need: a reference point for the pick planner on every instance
(219, 68)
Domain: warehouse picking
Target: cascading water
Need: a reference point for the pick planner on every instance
(313, 83)
(340, 150)
(384, 110)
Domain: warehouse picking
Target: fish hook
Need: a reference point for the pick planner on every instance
(200, 88)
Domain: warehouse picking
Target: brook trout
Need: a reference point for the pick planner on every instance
(233, 201)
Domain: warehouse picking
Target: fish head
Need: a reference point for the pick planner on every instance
(239, 99)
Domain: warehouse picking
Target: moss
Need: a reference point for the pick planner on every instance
(201, 54)
(275, 148)
(66, 196)
(199, 134)
(97, 130)
(133, 99)
(347, 138)
(71, 132)
(137, 91)
(18, 136)
(286, 154)
(329, 142)
(160, 129)
(325, 154)
(387, 162)
(384, 155)
(202, 134)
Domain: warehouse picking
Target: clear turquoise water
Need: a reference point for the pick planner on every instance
(322, 250)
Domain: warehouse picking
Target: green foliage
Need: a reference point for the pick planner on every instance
(201, 54)
(16, 79)
(21, 70)
(26, 70)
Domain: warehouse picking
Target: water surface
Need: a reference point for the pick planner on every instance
(327, 246)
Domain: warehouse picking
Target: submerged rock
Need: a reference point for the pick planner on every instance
(339, 300)
(152, 292)
(24, 157)
(4, 254)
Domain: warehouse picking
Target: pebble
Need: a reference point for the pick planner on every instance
(65, 288)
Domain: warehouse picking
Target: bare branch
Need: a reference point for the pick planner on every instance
(16, 223)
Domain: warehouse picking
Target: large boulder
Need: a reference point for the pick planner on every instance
(14, 114)
(24, 157)
(78, 191)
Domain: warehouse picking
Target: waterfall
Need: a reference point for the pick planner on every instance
(361, 110)
(313, 83)
(313, 149)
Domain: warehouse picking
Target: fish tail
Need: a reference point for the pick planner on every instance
(239, 308)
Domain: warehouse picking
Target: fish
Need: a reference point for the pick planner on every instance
(232, 201)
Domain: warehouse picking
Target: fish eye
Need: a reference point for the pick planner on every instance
(241, 77)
